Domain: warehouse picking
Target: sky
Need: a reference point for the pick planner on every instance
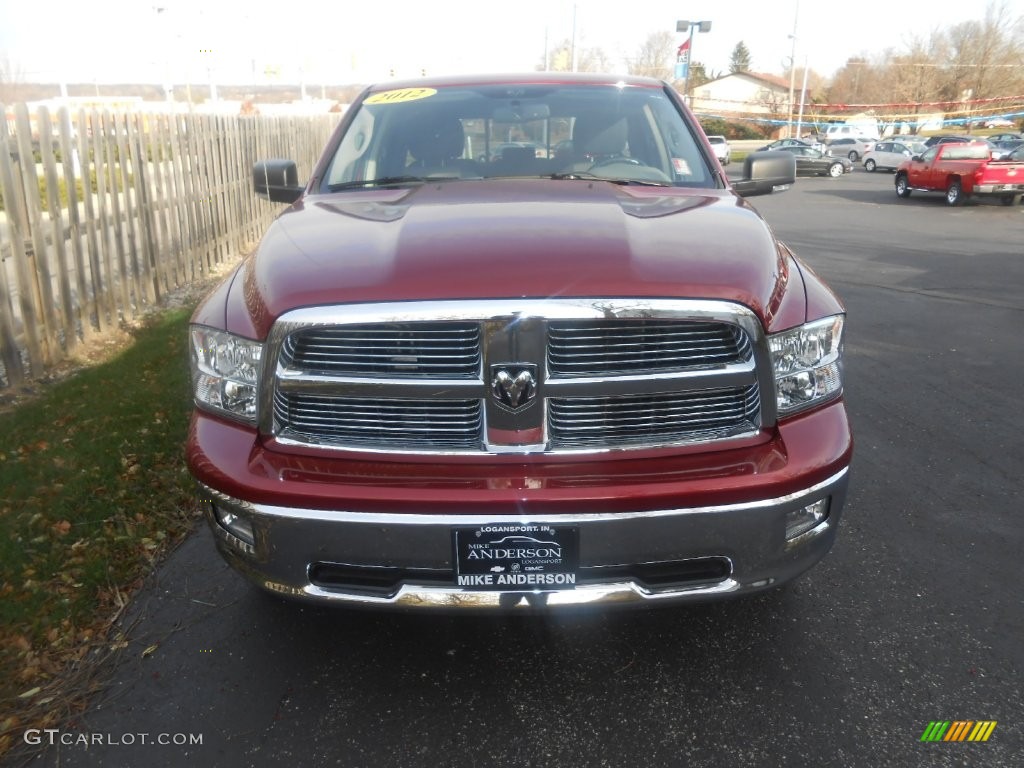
(340, 42)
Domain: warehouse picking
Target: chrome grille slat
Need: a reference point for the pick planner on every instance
(651, 426)
(327, 356)
(412, 408)
(704, 400)
(381, 423)
(445, 349)
(613, 347)
(579, 425)
(619, 364)
(580, 337)
(654, 414)
(464, 332)
(669, 418)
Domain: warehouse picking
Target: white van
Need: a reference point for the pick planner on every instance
(867, 129)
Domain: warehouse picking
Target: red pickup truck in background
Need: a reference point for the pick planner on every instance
(961, 170)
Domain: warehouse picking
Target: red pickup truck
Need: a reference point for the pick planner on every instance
(961, 170)
(518, 343)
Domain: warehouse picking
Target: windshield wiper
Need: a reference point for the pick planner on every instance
(385, 181)
(610, 180)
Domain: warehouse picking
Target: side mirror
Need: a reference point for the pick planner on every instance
(277, 180)
(916, 159)
(766, 172)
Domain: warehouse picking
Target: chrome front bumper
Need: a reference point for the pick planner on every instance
(280, 549)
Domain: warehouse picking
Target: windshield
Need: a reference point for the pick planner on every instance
(624, 134)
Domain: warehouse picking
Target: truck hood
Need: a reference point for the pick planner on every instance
(523, 238)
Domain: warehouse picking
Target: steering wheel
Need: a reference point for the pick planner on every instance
(617, 159)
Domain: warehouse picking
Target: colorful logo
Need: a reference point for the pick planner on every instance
(958, 730)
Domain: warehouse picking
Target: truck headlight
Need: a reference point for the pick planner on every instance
(808, 364)
(225, 372)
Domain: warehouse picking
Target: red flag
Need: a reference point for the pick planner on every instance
(683, 48)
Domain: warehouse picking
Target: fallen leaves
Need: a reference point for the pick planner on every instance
(94, 490)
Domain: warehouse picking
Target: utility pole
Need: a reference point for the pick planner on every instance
(803, 98)
(572, 47)
(792, 71)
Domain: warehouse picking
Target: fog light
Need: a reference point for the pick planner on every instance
(235, 524)
(804, 519)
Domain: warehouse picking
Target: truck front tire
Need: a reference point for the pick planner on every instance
(902, 186)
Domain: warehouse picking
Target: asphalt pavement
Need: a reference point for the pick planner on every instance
(916, 615)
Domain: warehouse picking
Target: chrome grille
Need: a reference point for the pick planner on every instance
(652, 419)
(420, 377)
(631, 347)
(439, 350)
(380, 423)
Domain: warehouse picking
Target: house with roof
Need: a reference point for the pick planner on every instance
(745, 93)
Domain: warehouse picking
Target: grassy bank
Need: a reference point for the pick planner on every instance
(95, 488)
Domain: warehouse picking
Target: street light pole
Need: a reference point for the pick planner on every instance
(690, 26)
(689, 54)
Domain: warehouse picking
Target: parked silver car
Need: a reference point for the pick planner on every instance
(888, 154)
(853, 148)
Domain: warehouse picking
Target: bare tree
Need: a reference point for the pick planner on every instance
(815, 82)
(588, 59)
(971, 61)
(11, 79)
(774, 101)
(655, 57)
(593, 60)
(858, 81)
(915, 76)
(985, 56)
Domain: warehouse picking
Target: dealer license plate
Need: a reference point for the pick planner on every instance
(516, 557)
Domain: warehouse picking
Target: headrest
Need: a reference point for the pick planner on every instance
(600, 134)
(438, 139)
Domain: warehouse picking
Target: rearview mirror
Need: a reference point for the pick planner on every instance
(521, 113)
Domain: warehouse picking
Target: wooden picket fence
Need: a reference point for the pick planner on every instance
(103, 214)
